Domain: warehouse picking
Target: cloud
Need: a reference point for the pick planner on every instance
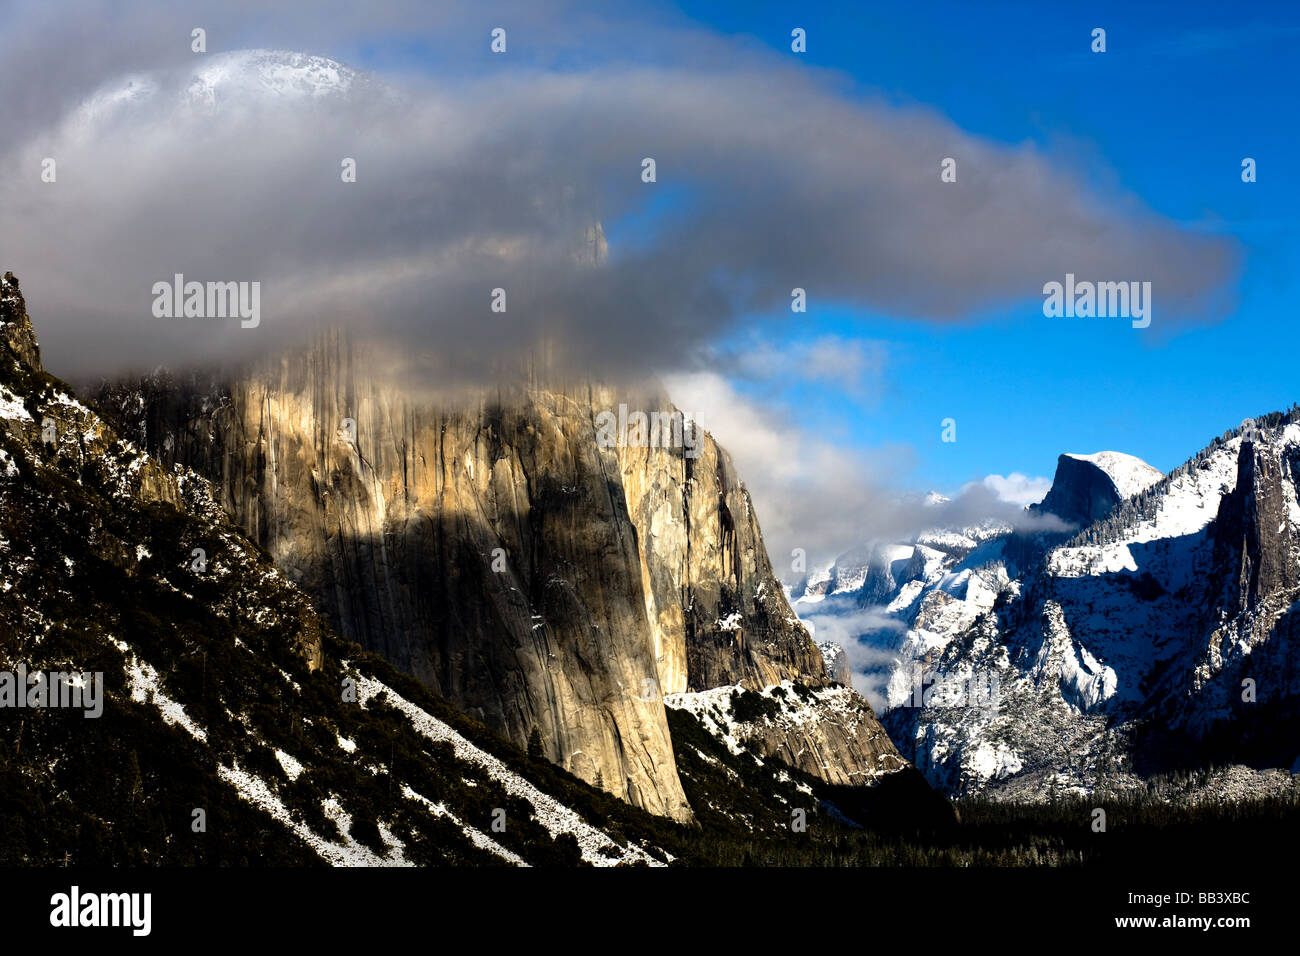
(828, 498)
(810, 493)
(994, 500)
(482, 173)
(854, 367)
(1018, 489)
(871, 664)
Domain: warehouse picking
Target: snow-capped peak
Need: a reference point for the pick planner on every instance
(1131, 475)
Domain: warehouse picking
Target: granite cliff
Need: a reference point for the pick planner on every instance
(499, 552)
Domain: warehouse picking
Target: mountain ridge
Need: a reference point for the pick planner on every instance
(1120, 646)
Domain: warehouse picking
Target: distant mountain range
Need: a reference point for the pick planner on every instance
(1153, 643)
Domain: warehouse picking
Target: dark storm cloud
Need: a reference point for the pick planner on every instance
(769, 178)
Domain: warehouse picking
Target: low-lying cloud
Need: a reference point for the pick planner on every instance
(871, 663)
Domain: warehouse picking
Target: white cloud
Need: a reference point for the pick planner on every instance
(870, 663)
(810, 493)
(851, 366)
(827, 498)
(1018, 489)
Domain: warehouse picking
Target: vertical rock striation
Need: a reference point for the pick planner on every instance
(496, 551)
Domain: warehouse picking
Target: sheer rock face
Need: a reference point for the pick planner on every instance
(717, 612)
(497, 551)
(1253, 590)
(1081, 493)
(1253, 531)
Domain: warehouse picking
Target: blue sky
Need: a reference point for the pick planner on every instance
(1179, 98)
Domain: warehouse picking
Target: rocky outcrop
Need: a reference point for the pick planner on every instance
(15, 325)
(718, 614)
(1253, 529)
(817, 733)
(1082, 490)
(837, 663)
(498, 550)
(827, 732)
(1253, 618)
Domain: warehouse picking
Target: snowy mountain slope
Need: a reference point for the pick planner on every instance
(750, 758)
(1133, 644)
(902, 602)
(1119, 649)
(793, 723)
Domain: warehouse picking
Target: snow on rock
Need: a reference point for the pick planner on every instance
(1131, 475)
(477, 837)
(145, 687)
(12, 408)
(552, 815)
(1084, 681)
(712, 708)
(808, 728)
(990, 761)
(349, 852)
(292, 768)
(836, 661)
